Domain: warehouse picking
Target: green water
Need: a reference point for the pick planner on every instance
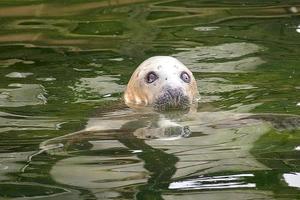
(65, 133)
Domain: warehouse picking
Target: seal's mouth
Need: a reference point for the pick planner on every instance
(172, 99)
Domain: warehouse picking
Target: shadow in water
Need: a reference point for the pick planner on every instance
(159, 164)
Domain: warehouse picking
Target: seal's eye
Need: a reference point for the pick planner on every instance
(151, 77)
(185, 77)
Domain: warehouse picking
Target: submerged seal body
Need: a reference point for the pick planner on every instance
(162, 82)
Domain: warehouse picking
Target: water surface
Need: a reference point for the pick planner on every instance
(67, 135)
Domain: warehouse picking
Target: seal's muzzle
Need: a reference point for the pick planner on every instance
(172, 99)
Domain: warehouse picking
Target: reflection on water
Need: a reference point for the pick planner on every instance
(91, 88)
(65, 132)
(9, 62)
(11, 122)
(193, 57)
(292, 179)
(18, 75)
(147, 152)
(215, 182)
(22, 94)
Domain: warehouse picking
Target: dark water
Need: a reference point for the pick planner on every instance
(65, 133)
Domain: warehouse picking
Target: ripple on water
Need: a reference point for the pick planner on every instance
(22, 95)
(292, 179)
(10, 62)
(11, 122)
(19, 74)
(27, 190)
(240, 66)
(12, 162)
(47, 79)
(206, 28)
(106, 174)
(237, 194)
(194, 57)
(210, 86)
(214, 182)
(204, 154)
(213, 87)
(89, 89)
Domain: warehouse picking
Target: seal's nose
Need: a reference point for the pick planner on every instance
(175, 95)
(173, 92)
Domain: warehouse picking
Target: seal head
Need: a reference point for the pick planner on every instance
(163, 83)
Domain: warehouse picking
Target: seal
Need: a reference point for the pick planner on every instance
(162, 82)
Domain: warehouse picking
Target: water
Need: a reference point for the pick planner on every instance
(66, 134)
